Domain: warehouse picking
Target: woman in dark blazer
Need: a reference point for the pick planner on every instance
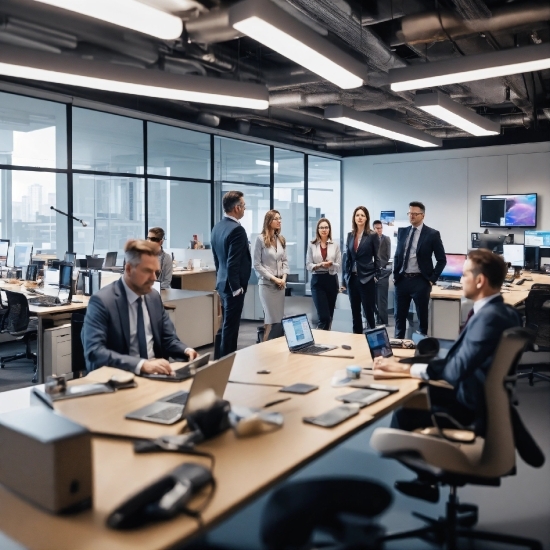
(362, 268)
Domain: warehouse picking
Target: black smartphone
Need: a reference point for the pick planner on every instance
(334, 416)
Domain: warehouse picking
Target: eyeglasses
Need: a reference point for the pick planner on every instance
(414, 214)
(154, 239)
(242, 205)
(324, 227)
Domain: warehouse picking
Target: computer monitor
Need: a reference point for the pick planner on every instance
(492, 242)
(22, 255)
(453, 268)
(31, 272)
(532, 257)
(514, 254)
(70, 257)
(110, 259)
(537, 238)
(95, 263)
(65, 275)
(4, 249)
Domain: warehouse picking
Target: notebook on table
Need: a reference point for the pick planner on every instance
(299, 337)
(175, 406)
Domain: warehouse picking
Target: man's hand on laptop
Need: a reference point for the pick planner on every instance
(389, 367)
(156, 366)
(191, 353)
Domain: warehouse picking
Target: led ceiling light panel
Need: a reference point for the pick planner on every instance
(381, 126)
(126, 13)
(443, 107)
(74, 71)
(276, 29)
(474, 67)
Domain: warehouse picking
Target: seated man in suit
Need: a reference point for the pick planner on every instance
(126, 325)
(467, 362)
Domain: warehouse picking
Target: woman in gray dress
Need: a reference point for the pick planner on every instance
(271, 266)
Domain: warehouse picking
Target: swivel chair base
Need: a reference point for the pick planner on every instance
(532, 374)
(446, 531)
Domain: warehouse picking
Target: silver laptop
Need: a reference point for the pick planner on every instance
(175, 407)
(379, 342)
(299, 336)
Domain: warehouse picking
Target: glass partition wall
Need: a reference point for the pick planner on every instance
(121, 175)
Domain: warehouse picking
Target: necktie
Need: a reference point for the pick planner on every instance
(470, 314)
(408, 251)
(142, 342)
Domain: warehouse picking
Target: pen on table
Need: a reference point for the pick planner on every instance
(276, 402)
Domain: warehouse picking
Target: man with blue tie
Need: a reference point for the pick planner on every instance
(126, 325)
(231, 252)
(413, 269)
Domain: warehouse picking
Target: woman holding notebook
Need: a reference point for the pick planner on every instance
(362, 268)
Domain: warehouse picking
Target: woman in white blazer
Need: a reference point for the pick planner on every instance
(271, 266)
(324, 261)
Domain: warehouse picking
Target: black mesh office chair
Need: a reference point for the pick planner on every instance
(537, 317)
(21, 326)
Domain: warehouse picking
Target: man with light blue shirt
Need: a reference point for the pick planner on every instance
(467, 363)
(126, 325)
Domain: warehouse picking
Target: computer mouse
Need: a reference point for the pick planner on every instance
(345, 346)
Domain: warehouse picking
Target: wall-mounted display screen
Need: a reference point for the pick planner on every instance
(387, 216)
(453, 269)
(508, 210)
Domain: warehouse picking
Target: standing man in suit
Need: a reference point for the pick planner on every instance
(467, 363)
(233, 265)
(126, 325)
(413, 271)
(383, 283)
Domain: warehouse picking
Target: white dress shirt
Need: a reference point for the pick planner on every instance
(418, 370)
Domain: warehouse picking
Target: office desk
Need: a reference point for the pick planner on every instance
(200, 279)
(445, 305)
(244, 467)
(193, 313)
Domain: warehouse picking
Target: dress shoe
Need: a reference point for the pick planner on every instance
(418, 489)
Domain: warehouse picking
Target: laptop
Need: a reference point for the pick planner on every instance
(299, 337)
(183, 373)
(379, 342)
(175, 407)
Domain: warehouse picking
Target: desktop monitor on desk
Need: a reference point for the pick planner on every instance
(492, 242)
(110, 259)
(532, 257)
(452, 271)
(514, 254)
(4, 249)
(537, 238)
(22, 255)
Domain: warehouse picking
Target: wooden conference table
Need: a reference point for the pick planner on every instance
(244, 467)
(196, 323)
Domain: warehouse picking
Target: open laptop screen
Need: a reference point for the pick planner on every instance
(379, 342)
(297, 331)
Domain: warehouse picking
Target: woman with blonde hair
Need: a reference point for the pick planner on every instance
(271, 266)
(324, 260)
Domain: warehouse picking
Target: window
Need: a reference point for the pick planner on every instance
(182, 209)
(177, 152)
(288, 199)
(33, 132)
(241, 161)
(107, 143)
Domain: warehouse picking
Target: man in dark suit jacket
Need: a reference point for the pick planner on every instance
(233, 265)
(383, 283)
(467, 363)
(126, 325)
(413, 269)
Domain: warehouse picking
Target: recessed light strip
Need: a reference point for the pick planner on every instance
(443, 107)
(73, 71)
(380, 126)
(467, 69)
(276, 29)
(130, 14)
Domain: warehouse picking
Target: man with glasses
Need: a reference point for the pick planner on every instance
(233, 265)
(413, 269)
(383, 283)
(156, 235)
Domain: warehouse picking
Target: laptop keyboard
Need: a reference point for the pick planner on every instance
(180, 399)
(312, 349)
(166, 414)
(44, 301)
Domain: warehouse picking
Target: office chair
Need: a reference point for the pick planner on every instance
(460, 457)
(537, 317)
(78, 362)
(291, 278)
(21, 326)
(298, 510)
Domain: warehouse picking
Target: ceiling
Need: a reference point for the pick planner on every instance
(383, 34)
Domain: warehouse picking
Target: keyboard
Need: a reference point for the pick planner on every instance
(44, 301)
(312, 349)
(180, 399)
(166, 414)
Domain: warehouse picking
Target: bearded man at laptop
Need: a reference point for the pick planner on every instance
(126, 325)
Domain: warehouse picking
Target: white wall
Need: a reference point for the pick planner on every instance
(449, 183)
